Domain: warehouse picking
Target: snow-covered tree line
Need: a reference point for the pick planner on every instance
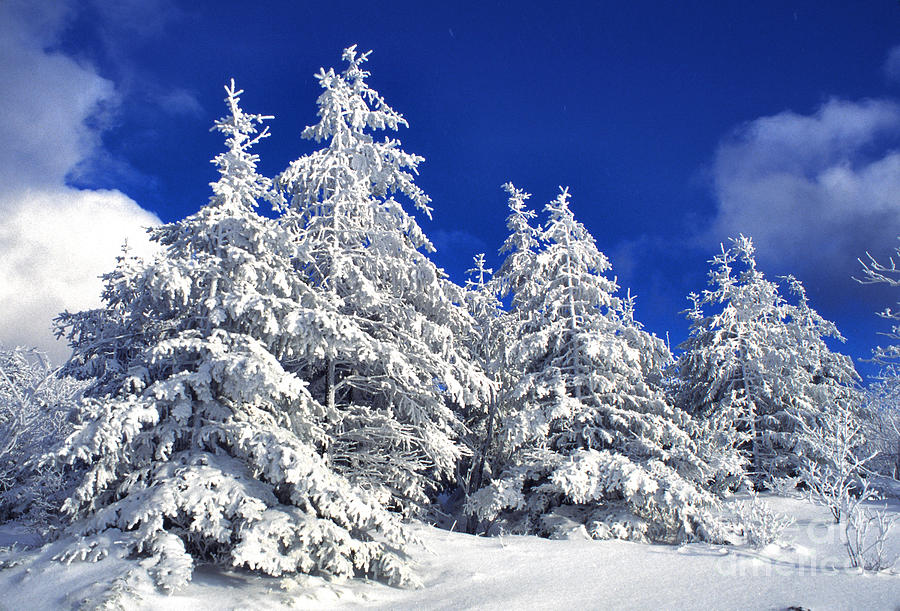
(285, 392)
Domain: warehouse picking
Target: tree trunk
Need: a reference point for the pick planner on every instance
(478, 471)
(751, 416)
(329, 385)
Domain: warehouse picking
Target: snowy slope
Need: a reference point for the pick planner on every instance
(511, 572)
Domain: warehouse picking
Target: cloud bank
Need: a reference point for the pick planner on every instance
(55, 240)
(814, 191)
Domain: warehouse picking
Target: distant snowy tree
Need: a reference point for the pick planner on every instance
(500, 327)
(884, 395)
(518, 276)
(401, 372)
(756, 365)
(198, 442)
(486, 344)
(830, 419)
(882, 423)
(587, 436)
(877, 273)
(34, 415)
(833, 473)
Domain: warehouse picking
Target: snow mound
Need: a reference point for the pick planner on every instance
(462, 571)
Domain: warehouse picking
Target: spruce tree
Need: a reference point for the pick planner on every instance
(197, 440)
(486, 343)
(756, 367)
(588, 436)
(403, 375)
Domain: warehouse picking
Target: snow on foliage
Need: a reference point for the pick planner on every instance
(34, 414)
(884, 396)
(398, 373)
(278, 394)
(587, 431)
(198, 441)
(761, 525)
(882, 427)
(878, 273)
(756, 367)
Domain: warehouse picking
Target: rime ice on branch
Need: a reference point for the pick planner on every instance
(200, 442)
(397, 375)
(756, 369)
(587, 433)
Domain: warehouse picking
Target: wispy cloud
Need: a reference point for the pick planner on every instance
(814, 191)
(180, 101)
(457, 242)
(892, 65)
(55, 240)
(124, 28)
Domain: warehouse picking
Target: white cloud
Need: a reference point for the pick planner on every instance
(54, 240)
(54, 244)
(45, 99)
(814, 191)
(892, 65)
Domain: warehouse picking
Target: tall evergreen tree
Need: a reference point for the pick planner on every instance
(755, 363)
(514, 280)
(486, 344)
(516, 277)
(399, 379)
(588, 435)
(198, 443)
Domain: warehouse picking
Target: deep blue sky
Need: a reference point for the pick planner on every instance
(630, 104)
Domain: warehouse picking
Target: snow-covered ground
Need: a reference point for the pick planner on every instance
(512, 572)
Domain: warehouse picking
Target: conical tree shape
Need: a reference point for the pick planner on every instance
(588, 434)
(398, 385)
(199, 444)
(755, 365)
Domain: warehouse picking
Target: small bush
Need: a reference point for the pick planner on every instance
(762, 526)
(867, 533)
(34, 415)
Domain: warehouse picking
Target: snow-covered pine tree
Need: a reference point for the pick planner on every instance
(486, 344)
(403, 374)
(755, 365)
(825, 384)
(515, 280)
(588, 436)
(517, 277)
(198, 443)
